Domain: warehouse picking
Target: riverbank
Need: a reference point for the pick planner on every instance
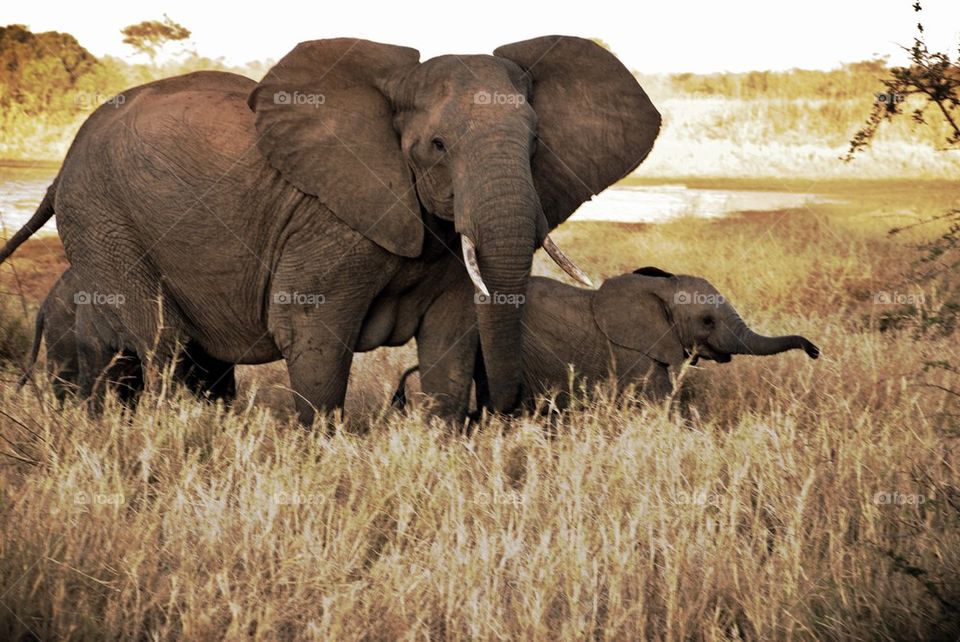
(709, 137)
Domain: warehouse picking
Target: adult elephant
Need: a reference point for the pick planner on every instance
(323, 210)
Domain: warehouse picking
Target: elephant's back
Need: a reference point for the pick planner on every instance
(559, 330)
(207, 108)
(200, 80)
(192, 115)
(177, 118)
(180, 88)
(179, 146)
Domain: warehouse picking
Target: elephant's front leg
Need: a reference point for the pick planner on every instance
(317, 302)
(316, 341)
(318, 362)
(447, 343)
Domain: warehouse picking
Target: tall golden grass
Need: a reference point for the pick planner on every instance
(775, 498)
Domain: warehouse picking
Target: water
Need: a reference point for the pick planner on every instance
(658, 203)
(21, 189)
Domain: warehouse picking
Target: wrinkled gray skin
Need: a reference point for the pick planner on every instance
(633, 328)
(72, 329)
(319, 212)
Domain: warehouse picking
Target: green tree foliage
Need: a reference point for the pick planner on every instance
(37, 71)
(150, 36)
(49, 83)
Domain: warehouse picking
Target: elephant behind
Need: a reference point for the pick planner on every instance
(69, 324)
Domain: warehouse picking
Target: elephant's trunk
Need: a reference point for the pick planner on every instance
(742, 340)
(497, 208)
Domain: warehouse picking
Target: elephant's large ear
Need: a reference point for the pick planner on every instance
(596, 124)
(633, 312)
(325, 122)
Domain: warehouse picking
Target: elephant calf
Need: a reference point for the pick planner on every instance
(631, 329)
(67, 332)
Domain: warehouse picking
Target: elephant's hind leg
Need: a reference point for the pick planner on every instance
(94, 354)
(125, 375)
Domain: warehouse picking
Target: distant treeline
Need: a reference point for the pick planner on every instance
(44, 73)
(794, 107)
(51, 72)
(851, 81)
(49, 82)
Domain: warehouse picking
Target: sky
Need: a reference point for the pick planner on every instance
(699, 36)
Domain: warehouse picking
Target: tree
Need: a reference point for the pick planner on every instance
(38, 71)
(934, 77)
(150, 36)
(933, 80)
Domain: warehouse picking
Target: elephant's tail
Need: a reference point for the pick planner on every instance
(399, 400)
(35, 350)
(43, 214)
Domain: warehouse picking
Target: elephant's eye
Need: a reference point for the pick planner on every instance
(439, 145)
(708, 321)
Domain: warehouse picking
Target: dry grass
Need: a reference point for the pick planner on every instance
(762, 508)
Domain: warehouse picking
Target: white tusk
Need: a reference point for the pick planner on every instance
(470, 260)
(565, 263)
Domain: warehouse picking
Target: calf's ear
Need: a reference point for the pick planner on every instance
(632, 312)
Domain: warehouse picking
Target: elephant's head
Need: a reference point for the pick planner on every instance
(505, 147)
(669, 317)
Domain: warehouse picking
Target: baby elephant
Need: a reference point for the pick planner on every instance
(68, 323)
(631, 329)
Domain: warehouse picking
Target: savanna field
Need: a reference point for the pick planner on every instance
(769, 498)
